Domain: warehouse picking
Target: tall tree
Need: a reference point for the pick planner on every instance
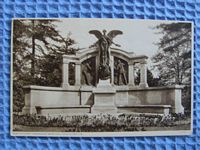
(20, 48)
(173, 59)
(44, 37)
(37, 54)
(19, 58)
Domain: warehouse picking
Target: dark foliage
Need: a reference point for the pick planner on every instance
(37, 56)
(173, 60)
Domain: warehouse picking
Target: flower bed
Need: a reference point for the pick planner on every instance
(100, 122)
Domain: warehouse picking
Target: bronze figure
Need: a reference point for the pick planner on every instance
(121, 74)
(104, 42)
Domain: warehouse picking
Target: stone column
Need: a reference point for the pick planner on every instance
(65, 74)
(131, 75)
(78, 74)
(178, 108)
(112, 69)
(143, 75)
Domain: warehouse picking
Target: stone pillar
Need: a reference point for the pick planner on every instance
(143, 75)
(178, 108)
(112, 69)
(65, 74)
(131, 75)
(78, 74)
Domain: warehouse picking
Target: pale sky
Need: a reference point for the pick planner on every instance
(137, 37)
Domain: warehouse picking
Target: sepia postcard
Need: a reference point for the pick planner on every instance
(101, 77)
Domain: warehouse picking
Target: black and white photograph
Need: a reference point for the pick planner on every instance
(101, 77)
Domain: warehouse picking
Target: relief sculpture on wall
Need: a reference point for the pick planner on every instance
(88, 72)
(120, 72)
(122, 80)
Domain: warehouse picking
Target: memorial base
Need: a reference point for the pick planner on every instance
(104, 98)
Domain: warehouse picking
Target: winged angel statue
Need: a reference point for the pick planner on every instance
(104, 42)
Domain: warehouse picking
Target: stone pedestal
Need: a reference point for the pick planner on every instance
(104, 98)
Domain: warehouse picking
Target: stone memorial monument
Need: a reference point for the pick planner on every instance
(104, 93)
(104, 82)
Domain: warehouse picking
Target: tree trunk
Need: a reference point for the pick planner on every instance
(33, 51)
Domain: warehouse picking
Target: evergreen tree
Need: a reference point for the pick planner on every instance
(37, 56)
(20, 57)
(44, 38)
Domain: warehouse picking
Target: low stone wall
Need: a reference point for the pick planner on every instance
(169, 95)
(157, 109)
(87, 98)
(76, 96)
(50, 97)
(63, 110)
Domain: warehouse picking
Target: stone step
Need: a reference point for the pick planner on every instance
(103, 109)
(159, 109)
